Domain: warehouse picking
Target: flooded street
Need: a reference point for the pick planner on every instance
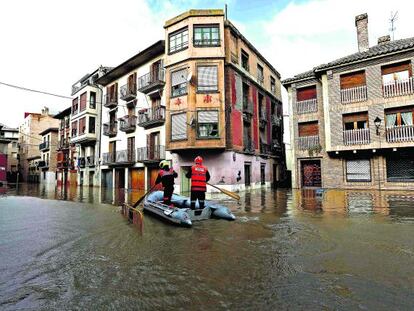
(287, 250)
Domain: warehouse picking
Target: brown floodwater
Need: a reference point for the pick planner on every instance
(70, 249)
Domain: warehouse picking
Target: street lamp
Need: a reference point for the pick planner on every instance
(377, 123)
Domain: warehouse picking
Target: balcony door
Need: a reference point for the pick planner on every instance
(131, 148)
(155, 70)
(355, 121)
(153, 143)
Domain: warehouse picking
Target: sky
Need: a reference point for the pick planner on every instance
(48, 45)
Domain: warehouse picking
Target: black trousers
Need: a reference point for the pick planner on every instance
(167, 195)
(200, 195)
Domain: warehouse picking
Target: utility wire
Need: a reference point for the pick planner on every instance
(34, 91)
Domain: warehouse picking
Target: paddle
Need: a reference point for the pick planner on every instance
(142, 198)
(229, 193)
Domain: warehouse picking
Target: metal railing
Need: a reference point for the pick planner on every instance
(81, 162)
(276, 120)
(128, 91)
(121, 157)
(354, 94)
(207, 42)
(356, 137)
(248, 145)
(264, 148)
(307, 106)
(110, 101)
(128, 123)
(151, 115)
(152, 153)
(90, 161)
(151, 78)
(110, 128)
(307, 142)
(401, 133)
(44, 145)
(398, 87)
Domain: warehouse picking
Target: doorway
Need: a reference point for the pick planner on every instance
(185, 182)
(311, 173)
(91, 174)
(120, 178)
(262, 173)
(247, 172)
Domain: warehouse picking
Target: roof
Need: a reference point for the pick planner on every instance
(157, 49)
(50, 129)
(375, 51)
(193, 13)
(63, 113)
(227, 23)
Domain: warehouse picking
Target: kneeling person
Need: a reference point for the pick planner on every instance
(166, 176)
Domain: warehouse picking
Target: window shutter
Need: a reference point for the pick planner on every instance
(179, 126)
(358, 170)
(208, 116)
(207, 78)
(179, 77)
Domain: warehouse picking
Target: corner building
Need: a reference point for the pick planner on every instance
(352, 121)
(223, 101)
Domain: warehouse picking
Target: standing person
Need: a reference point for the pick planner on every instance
(166, 176)
(199, 177)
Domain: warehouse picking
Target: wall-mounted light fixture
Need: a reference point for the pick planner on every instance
(377, 123)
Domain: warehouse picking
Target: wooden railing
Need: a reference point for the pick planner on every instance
(354, 94)
(400, 133)
(398, 87)
(307, 142)
(307, 106)
(356, 137)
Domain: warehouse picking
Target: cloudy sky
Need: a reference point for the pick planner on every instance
(48, 45)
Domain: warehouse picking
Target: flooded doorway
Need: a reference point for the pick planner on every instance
(185, 182)
(311, 173)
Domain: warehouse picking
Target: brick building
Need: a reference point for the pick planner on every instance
(223, 102)
(352, 118)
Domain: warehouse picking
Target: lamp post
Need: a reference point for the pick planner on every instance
(377, 123)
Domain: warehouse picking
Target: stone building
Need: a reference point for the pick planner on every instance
(352, 118)
(133, 140)
(29, 138)
(48, 152)
(223, 101)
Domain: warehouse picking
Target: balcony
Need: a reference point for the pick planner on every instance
(128, 92)
(110, 129)
(260, 79)
(276, 120)
(63, 145)
(354, 94)
(110, 101)
(356, 137)
(44, 146)
(401, 133)
(43, 164)
(308, 142)
(307, 106)
(151, 81)
(122, 157)
(247, 111)
(262, 120)
(81, 162)
(151, 154)
(264, 148)
(248, 146)
(276, 146)
(398, 88)
(128, 124)
(151, 117)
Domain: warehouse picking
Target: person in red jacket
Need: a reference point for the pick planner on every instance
(166, 176)
(199, 177)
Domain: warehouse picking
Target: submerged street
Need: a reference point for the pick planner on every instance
(287, 249)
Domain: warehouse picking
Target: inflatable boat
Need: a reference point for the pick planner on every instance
(181, 214)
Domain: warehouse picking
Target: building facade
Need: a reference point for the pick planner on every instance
(9, 148)
(223, 101)
(66, 172)
(29, 139)
(48, 152)
(352, 119)
(85, 127)
(133, 140)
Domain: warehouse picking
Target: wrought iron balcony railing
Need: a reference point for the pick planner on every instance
(128, 91)
(126, 156)
(111, 101)
(128, 124)
(110, 129)
(151, 154)
(151, 80)
(151, 116)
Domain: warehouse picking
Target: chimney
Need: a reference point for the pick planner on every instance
(361, 23)
(384, 39)
(45, 111)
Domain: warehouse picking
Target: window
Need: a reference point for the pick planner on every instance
(179, 126)
(82, 105)
(399, 117)
(207, 78)
(260, 76)
(393, 72)
(353, 79)
(75, 106)
(179, 82)
(178, 41)
(306, 93)
(358, 170)
(92, 100)
(207, 35)
(272, 85)
(245, 60)
(207, 124)
(92, 125)
(74, 128)
(400, 167)
(355, 121)
(82, 126)
(308, 129)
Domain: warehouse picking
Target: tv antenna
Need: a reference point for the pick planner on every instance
(393, 18)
